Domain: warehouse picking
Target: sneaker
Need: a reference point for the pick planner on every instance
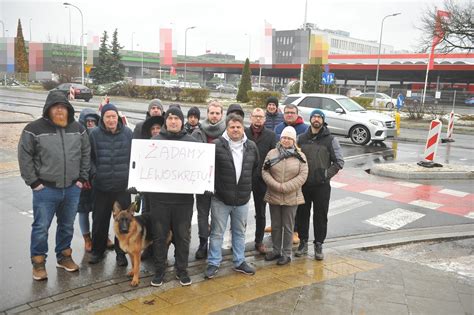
(39, 269)
(271, 256)
(245, 268)
(158, 279)
(283, 260)
(121, 260)
(183, 278)
(260, 247)
(96, 258)
(318, 251)
(302, 249)
(211, 271)
(201, 253)
(66, 261)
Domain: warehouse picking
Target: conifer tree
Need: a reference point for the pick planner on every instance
(245, 83)
(101, 71)
(117, 70)
(21, 57)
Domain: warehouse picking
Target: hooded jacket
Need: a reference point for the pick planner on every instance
(88, 112)
(51, 155)
(227, 189)
(324, 155)
(299, 126)
(137, 132)
(110, 157)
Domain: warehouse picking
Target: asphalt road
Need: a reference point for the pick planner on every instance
(361, 203)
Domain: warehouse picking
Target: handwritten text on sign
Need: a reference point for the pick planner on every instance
(172, 166)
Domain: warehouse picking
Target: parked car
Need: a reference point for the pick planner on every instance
(80, 91)
(227, 88)
(381, 100)
(345, 117)
(469, 101)
(195, 85)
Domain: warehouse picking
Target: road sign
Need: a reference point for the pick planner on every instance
(400, 101)
(327, 78)
(88, 68)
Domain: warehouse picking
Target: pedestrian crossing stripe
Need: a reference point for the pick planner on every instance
(376, 193)
(426, 204)
(455, 193)
(395, 219)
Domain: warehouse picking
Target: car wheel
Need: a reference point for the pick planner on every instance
(359, 135)
(87, 100)
(389, 105)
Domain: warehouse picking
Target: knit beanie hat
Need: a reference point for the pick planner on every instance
(194, 111)
(175, 111)
(108, 107)
(318, 112)
(156, 102)
(289, 132)
(235, 108)
(272, 99)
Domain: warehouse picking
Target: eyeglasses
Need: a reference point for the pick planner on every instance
(258, 117)
(290, 113)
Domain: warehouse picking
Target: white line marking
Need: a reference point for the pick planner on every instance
(408, 184)
(425, 204)
(455, 193)
(23, 212)
(337, 184)
(470, 215)
(344, 205)
(376, 193)
(394, 219)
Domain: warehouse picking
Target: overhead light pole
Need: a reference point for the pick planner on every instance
(3, 28)
(185, 54)
(30, 28)
(82, 39)
(378, 57)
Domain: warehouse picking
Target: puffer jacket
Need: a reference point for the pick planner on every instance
(273, 120)
(226, 187)
(284, 180)
(51, 155)
(299, 125)
(110, 157)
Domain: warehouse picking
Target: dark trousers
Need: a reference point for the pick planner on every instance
(176, 217)
(103, 207)
(317, 196)
(258, 190)
(203, 205)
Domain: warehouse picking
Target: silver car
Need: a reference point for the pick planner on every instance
(345, 117)
(381, 100)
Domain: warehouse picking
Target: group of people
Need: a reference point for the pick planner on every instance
(84, 165)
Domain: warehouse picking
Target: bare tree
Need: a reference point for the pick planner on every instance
(456, 33)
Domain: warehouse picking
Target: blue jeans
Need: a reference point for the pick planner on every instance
(48, 202)
(220, 212)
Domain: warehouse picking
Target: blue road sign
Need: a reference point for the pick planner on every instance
(327, 78)
(400, 100)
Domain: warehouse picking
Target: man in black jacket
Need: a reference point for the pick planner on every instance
(264, 138)
(173, 211)
(325, 159)
(155, 108)
(111, 144)
(235, 166)
(54, 160)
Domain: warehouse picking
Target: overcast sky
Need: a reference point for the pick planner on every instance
(221, 26)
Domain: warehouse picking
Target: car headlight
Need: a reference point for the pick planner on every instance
(376, 122)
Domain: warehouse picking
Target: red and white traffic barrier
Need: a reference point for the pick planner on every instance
(105, 100)
(449, 132)
(431, 146)
(72, 93)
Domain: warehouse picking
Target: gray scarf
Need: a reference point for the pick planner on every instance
(213, 131)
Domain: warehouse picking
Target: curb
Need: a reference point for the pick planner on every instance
(413, 171)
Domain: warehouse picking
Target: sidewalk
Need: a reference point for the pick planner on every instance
(351, 279)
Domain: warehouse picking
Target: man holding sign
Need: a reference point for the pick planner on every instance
(236, 165)
(172, 210)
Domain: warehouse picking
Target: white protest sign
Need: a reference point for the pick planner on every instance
(171, 166)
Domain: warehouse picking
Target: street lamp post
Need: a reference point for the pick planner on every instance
(82, 39)
(30, 28)
(378, 57)
(3, 28)
(185, 55)
(138, 45)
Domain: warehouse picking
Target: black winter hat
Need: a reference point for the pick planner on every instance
(272, 99)
(175, 111)
(194, 111)
(237, 109)
(108, 107)
(149, 122)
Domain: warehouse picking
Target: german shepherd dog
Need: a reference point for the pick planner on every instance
(133, 233)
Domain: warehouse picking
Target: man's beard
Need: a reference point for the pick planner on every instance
(316, 125)
(59, 120)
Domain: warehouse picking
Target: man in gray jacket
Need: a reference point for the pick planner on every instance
(54, 159)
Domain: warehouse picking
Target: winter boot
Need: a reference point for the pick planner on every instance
(87, 242)
(302, 248)
(66, 261)
(318, 251)
(201, 253)
(39, 269)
